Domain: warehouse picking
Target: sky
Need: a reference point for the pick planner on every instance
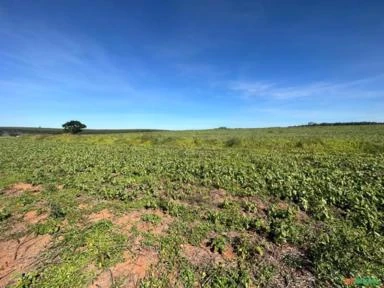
(190, 64)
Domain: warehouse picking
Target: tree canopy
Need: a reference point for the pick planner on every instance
(73, 126)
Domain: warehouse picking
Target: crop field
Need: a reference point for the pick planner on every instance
(276, 207)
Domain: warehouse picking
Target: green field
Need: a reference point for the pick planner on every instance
(273, 207)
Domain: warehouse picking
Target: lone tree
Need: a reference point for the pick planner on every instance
(73, 126)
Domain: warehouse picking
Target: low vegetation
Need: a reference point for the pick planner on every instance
(292, 207)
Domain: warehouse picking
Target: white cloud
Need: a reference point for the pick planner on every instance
(361, 88)
(54, 67)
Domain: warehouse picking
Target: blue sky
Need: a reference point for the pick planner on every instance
(190, 64)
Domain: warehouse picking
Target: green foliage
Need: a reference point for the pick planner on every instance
(57, 211)
(246, 249)
(342, 251)
(150, 204)
(167, 248)
(28, 280)
(249, 206)
(223, 277)
(330, 179)
(228, 219)
(154, 282)
(4, 214)
(173, 208)
(264, 275)
(281, 226)
(233, 142)
(51, 226)
(97, 244)
(258, 225)
(217, 244)
(227, 204)
(193, 233)
(151, 218)
(73, 126)
(187, 275)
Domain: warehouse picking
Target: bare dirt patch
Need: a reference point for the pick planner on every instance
(200, 255)
(17, 256)
(132, 270)
(19, 224)
(128, 219)
(228, 253)
(134, 218)
(291, 273)
(137, 260)
(104, 214)
(33, 217)
(157, 229)
(19, 188)
(18, 227)
(217, 195)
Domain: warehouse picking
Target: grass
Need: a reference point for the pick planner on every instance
(218, 208)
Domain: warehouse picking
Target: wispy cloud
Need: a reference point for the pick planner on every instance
(61, 61)
(360, 88)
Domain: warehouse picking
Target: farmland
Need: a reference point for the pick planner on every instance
(274, 207)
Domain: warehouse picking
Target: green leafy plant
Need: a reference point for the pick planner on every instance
(281, 226)
(249, 206)
(247, 249)
(222, 277)
(151, 218)
(218, 244)
(4, 214)
(343, 251)
(57, 211)
(28, 280)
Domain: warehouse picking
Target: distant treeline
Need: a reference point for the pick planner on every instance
(16, 131)
(340, 124)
